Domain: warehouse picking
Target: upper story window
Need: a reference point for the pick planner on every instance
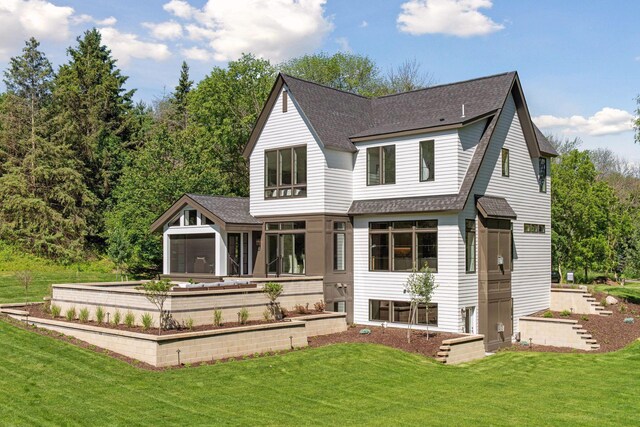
(403, 245)
(175, 222)
(206, 221)
(505, 162)
(535, 228)
(427, 161)
(191, 217)
(284, 102)
(470, 245)
(339, 246)
(381, 165)
(542, 174)
(285, 172)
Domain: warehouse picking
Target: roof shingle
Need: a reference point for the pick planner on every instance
(232, 210)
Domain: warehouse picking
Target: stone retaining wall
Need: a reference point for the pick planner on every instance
(576, 300)
(556, 332)
(198, 346)
(460, 350)
(196, 305)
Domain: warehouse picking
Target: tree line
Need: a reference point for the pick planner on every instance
(84, 170)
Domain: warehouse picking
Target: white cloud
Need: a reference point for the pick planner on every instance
(343, 42)
(607, 121)
(454, 17)
(21, 19)
(197, 54)
(277, 29)
(364, 24)
(125, 46)
(84, 18)
(180, 8)
(169, 30)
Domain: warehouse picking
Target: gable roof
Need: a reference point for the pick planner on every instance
(222, 210)
(339, 119)
(544, 144)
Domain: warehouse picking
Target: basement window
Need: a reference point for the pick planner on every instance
(398, 312)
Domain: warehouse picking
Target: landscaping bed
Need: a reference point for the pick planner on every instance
(38, 311)
(611, 332)
(390, 337)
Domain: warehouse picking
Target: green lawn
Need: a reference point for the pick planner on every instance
(630, 291)
(45, 272)
(47, 382)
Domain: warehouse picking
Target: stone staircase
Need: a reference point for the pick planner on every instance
(587, 337)
(595, 306)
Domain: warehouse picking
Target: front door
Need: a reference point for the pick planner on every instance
(494, 283)
(233, 248)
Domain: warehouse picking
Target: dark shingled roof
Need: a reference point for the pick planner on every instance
(543, 143)
(232, 210)
(405, 205)
(495, 207)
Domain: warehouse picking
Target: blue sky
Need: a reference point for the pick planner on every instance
(579, 61)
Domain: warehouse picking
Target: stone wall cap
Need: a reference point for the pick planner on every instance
(460, 340)
(549, 320)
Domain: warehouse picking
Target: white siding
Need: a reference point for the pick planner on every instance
(338, 182)
(532, 264)
(407, 168)
(390, 285)
(469, 138)
(285, 130)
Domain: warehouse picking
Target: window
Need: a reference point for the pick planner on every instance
(340, 306)
(505, 162)
(190, 217)
(542, 174)
(535, 228)
(398, 312)
(175, 222)
(192, 253)
(285, 173)
(286, 247)
(339, 246)
(470, 245)
(381, 165)
(206, 221)
(284, 102)
(427, 161)
(403, 245)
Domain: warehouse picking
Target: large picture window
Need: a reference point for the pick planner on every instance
(470, 245)
(403, 245)
(192, 253)
(381, 165)
(286, 247)
(285, 172)
(427, 161)
(398, 312)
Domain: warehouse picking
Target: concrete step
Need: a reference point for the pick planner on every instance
(589, 297)
(442, 354)
(592, 341)
(441, 359)
(605, 312)
(581, 331)
(595, 346)
(445, 348)
(576, 326)
(586, 336)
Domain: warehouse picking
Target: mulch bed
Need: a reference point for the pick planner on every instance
(391, 337)
(610, 331)
(38, 311)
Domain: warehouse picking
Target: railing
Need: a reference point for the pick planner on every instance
(278, 266)
(234, 264)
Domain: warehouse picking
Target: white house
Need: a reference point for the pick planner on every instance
(362, 191)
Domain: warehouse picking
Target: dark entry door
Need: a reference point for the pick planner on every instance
(233, 248)
(495, 314)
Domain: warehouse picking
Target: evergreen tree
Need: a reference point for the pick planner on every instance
(43, 198)
(93, 115)
(179, 99)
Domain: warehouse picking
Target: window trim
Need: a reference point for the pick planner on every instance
(390, 231)
(542, 181)
(466, 248)
(392, 309)
(278, 187)
(186, 215)
(285, 97)
(335, 232)
(535, 228)
(381, 157)
(505, 170)
(432, 174)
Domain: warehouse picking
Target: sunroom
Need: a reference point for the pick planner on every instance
(208, 237)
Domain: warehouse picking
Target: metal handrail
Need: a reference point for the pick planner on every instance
(235, 263)
(278, 266)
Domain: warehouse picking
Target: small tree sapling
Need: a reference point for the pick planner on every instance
(157, 293)
(420, 286)
(273, 291)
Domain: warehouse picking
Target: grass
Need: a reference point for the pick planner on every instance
(45, 272)
(47, 382)
(630, 291)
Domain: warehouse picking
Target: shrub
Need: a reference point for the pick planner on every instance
(585, 318)
(565, 313)
(117, 317)
(147, 321)
(217, 317)
(189, 323)
(84, 315)
(243, 315)
(100, 315)
(547, 314)
(55, 310)
(301, 309)
(273, 290)
(622, 308)
(267, 315)
(130, 319)
(284, 312)
(70, 314)
(604, 302)
(320, 306)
